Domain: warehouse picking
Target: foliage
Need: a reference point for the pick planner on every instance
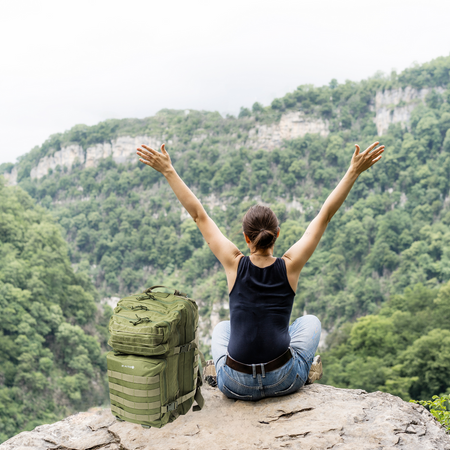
(50, 364)
(438, 406)
(404, 349)
(434, 73)
(6, 167)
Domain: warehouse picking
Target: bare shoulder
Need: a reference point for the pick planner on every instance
(231, 270)
(237, 256)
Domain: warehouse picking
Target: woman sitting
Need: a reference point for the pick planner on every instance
(256, 353)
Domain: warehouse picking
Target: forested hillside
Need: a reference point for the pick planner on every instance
(51, 361)
(126, 228)
(385, 253)
(404, 349)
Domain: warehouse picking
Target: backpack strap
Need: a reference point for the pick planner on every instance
(185, 348)
(190, 346)
(174, 405)
(196, 393)
(175, 291)
(198, 397)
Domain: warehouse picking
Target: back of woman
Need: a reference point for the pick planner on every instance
(260, 307)
(256, 353)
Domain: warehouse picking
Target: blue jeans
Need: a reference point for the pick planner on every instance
(305, 335)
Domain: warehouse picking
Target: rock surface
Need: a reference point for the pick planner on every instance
(292, 125)
(11, 178)
(316, 417)
(122, 149)
(396, 105)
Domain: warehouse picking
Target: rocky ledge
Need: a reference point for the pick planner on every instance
(316, 417)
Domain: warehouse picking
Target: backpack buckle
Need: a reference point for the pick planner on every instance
(172, 406)
(186, 348)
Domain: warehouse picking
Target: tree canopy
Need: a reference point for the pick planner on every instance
(51, 361)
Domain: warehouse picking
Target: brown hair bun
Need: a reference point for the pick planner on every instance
(261, 226)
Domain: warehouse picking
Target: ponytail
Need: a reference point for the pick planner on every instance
(261, 226)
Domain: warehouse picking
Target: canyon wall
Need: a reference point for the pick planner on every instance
(391, 106)
(122, 149)
(11, 178)
(292, 125)
(396, 105)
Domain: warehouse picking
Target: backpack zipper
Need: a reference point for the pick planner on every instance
(150, 310)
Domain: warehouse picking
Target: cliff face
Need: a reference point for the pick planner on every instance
(391, 106)
(316, 417)
(396, 105)
(123, 149)
(292, 125)
(11, 178)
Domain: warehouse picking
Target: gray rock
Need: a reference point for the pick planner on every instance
(396, 105)
(292, 125)
(316, 417)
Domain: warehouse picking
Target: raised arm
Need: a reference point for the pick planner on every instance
(297, 256)
(225, 251)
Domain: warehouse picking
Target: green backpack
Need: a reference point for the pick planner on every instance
(153, 372)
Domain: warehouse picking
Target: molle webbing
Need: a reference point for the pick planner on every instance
(133, 378)
(135, 392)
(137, 417)
(135, 405)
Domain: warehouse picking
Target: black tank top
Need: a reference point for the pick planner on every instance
(260, 307)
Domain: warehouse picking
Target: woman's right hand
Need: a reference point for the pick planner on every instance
(159, 161)
(362, 161)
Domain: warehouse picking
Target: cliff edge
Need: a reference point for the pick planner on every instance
(316, 417)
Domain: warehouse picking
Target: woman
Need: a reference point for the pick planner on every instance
(256, 353)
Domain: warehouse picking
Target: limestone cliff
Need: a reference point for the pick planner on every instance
(11, 178)
(391, 106)
(291, 125)
(123, 149)
(317, 417)
(396, 105)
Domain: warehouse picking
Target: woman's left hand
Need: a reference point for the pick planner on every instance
(362, 161)
(159, 161)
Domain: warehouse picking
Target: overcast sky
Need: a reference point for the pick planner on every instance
(70, 62)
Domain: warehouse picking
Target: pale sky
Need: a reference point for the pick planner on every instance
(70, 62)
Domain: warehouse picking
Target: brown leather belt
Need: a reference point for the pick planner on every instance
(268, 367)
